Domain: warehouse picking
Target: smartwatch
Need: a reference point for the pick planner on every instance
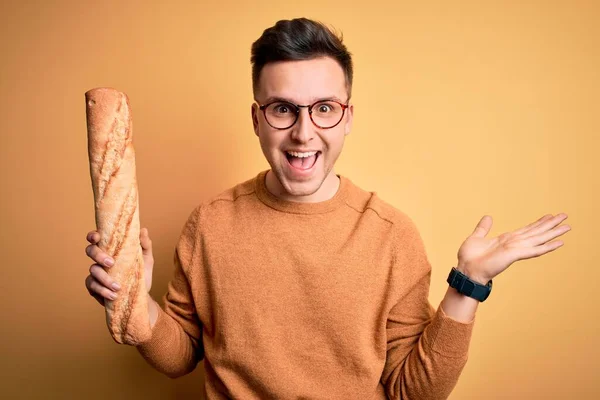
(464, 285)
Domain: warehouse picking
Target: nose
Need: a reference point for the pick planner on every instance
(303, 130)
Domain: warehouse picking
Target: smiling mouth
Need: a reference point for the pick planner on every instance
(302, 161)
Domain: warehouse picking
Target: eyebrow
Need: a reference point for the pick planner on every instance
(276, 98)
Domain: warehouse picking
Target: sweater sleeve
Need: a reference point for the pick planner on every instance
(426, 349)
(175, 346)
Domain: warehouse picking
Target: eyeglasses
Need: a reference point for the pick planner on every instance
(324, 114)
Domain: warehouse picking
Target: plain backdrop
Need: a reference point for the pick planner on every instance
(462, 108)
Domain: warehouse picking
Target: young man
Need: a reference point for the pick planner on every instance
(299, 284)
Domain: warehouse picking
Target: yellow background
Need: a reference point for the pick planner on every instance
(461, 109)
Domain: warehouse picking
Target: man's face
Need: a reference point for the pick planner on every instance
(302, 82)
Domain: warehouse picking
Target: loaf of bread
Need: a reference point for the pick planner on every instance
(112, 168)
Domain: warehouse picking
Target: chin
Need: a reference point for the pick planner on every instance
(299, 189)
(299, 186)
(293, 187)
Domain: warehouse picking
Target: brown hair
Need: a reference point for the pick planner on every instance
(299, 39)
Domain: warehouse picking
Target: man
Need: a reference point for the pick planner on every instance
(299, 284)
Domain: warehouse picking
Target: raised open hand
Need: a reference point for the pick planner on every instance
(482, 259)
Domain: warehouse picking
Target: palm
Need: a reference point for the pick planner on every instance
(489, 252)
(484, 258)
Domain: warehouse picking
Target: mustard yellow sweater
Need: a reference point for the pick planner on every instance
(287, 300)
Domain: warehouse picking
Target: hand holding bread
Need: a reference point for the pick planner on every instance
(99, 283)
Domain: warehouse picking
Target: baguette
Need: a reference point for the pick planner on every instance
(112, 169)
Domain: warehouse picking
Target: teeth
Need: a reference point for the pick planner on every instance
(302, 155)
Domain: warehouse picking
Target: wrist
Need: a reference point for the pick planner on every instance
(464, 284)
(474, 276)
(152, 310)
(458, 306)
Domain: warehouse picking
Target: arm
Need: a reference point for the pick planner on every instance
(426, 349)
(482, 258)
(426, 355)
(459, 307)
(175, 347)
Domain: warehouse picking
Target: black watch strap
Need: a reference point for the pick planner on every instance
(468, 287)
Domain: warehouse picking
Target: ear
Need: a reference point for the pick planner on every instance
(349, 119)
(255, 110)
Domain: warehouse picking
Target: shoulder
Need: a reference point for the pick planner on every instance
(221, 204)
(407, 242)
(232, 194)
(364, 201)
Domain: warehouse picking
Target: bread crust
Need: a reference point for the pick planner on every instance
(112, 169)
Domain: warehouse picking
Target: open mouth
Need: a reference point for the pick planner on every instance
(302, 161)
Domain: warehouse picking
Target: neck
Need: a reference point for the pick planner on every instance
(328, 189)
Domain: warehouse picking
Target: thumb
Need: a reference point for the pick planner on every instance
(145, 242)
(483, 227)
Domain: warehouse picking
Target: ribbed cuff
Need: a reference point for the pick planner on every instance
(448, 336)
(156, 341)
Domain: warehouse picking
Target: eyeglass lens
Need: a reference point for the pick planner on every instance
(325, 114)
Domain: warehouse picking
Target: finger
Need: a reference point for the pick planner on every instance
(545, 237)
(88, 281)
(531, 252)
(103, 278)
(533, 224)
(93, 237)
(545, 226)
(145, 242)
(95, 288)
(95, 253)
(483, 227)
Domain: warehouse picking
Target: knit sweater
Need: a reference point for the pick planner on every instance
(290, 300)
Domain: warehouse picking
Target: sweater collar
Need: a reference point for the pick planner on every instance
(295, 207)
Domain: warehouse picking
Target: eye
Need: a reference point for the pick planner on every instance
(326, 108)
(282, 108)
